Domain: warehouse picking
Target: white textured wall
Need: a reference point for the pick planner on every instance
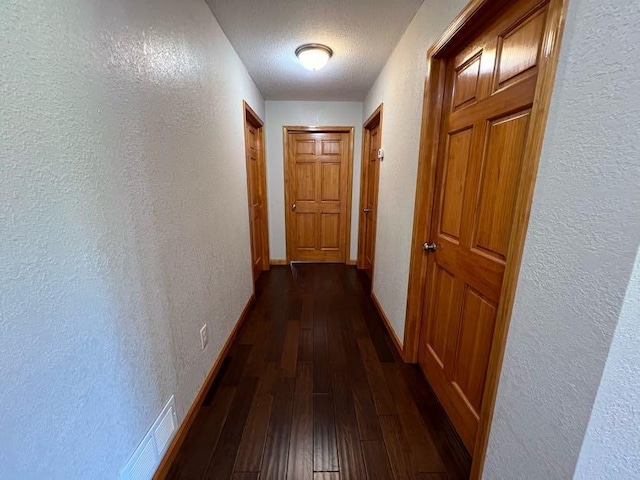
(611, 448)
(582, 241)
(400, 86)
(123, 220)
(281, 114)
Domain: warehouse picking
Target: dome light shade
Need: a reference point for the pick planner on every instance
(313, 56)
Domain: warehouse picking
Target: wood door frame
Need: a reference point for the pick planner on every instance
(476, 15)
(374, 119)
(287, 129)
(251, 117)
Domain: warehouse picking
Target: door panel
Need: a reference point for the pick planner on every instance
(501, 172)
(256, 191)
(331, 147)
(455, 179)
(317, 174)
(489, 90)
(330, 228)
(444, 308)
(474, 345)
(306, 230)
(369, 192)
(519, 48)
(330, 182)
(465, 87)
(305, 181)
(304, 146)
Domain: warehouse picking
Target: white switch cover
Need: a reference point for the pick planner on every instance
(204, 337)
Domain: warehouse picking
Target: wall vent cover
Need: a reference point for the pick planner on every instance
(145, 460)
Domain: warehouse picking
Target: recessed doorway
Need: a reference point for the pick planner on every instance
(489, 84)
(370, 176)
(256, 190)
(318, 184)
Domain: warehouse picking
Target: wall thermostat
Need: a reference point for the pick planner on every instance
(380, 154)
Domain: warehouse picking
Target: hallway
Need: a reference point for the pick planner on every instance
(313, 383)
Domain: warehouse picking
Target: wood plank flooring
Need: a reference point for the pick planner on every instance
(313, 388)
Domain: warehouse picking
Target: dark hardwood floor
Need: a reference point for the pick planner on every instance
(313, 388)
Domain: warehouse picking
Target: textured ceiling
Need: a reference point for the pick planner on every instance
(362, 34)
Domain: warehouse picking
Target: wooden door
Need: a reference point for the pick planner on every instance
(489, 94)
(256, 187)
(369, 192)
(318, 194)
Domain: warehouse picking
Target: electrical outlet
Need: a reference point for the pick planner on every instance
(204, 337)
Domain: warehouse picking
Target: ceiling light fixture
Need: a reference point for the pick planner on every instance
(313, 56)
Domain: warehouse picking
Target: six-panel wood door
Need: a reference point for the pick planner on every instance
(256, 187)
(369, 200)
(317, 177)
(490, 86)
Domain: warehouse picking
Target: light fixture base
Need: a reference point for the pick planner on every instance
(313, 56)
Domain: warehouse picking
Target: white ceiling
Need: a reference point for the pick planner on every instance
(362, 34)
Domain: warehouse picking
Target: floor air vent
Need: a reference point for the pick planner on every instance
(144, 461)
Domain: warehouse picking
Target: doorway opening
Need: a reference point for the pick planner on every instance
(489, 84)
(370, 177)
(256, 190)
(318, 183)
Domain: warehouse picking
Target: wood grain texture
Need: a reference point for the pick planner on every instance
(174, 447)
(256, 190)
(366, 416)
(276, 450)
(301, 452)
(327, 476)
(527, 53)
(249, 455)
(376, 461)
(424, 453)
(318, 183)
(478, 173)
(377, 332)
(548, 63)
(238, 359)
(194, 457)
(397, 447)
(224, 455)
(377, 383)
(289, 359)
(307, 311)
(305, 346)
(369, 186)
(325, 448)
(347, 435)
(321, 372)
(262, 418)
(245, 476)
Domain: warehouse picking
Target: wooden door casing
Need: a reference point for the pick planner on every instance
(488, 85)
(370, 176)
(475, 16)
(318, 176)
(489, 91)
(256, 191)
